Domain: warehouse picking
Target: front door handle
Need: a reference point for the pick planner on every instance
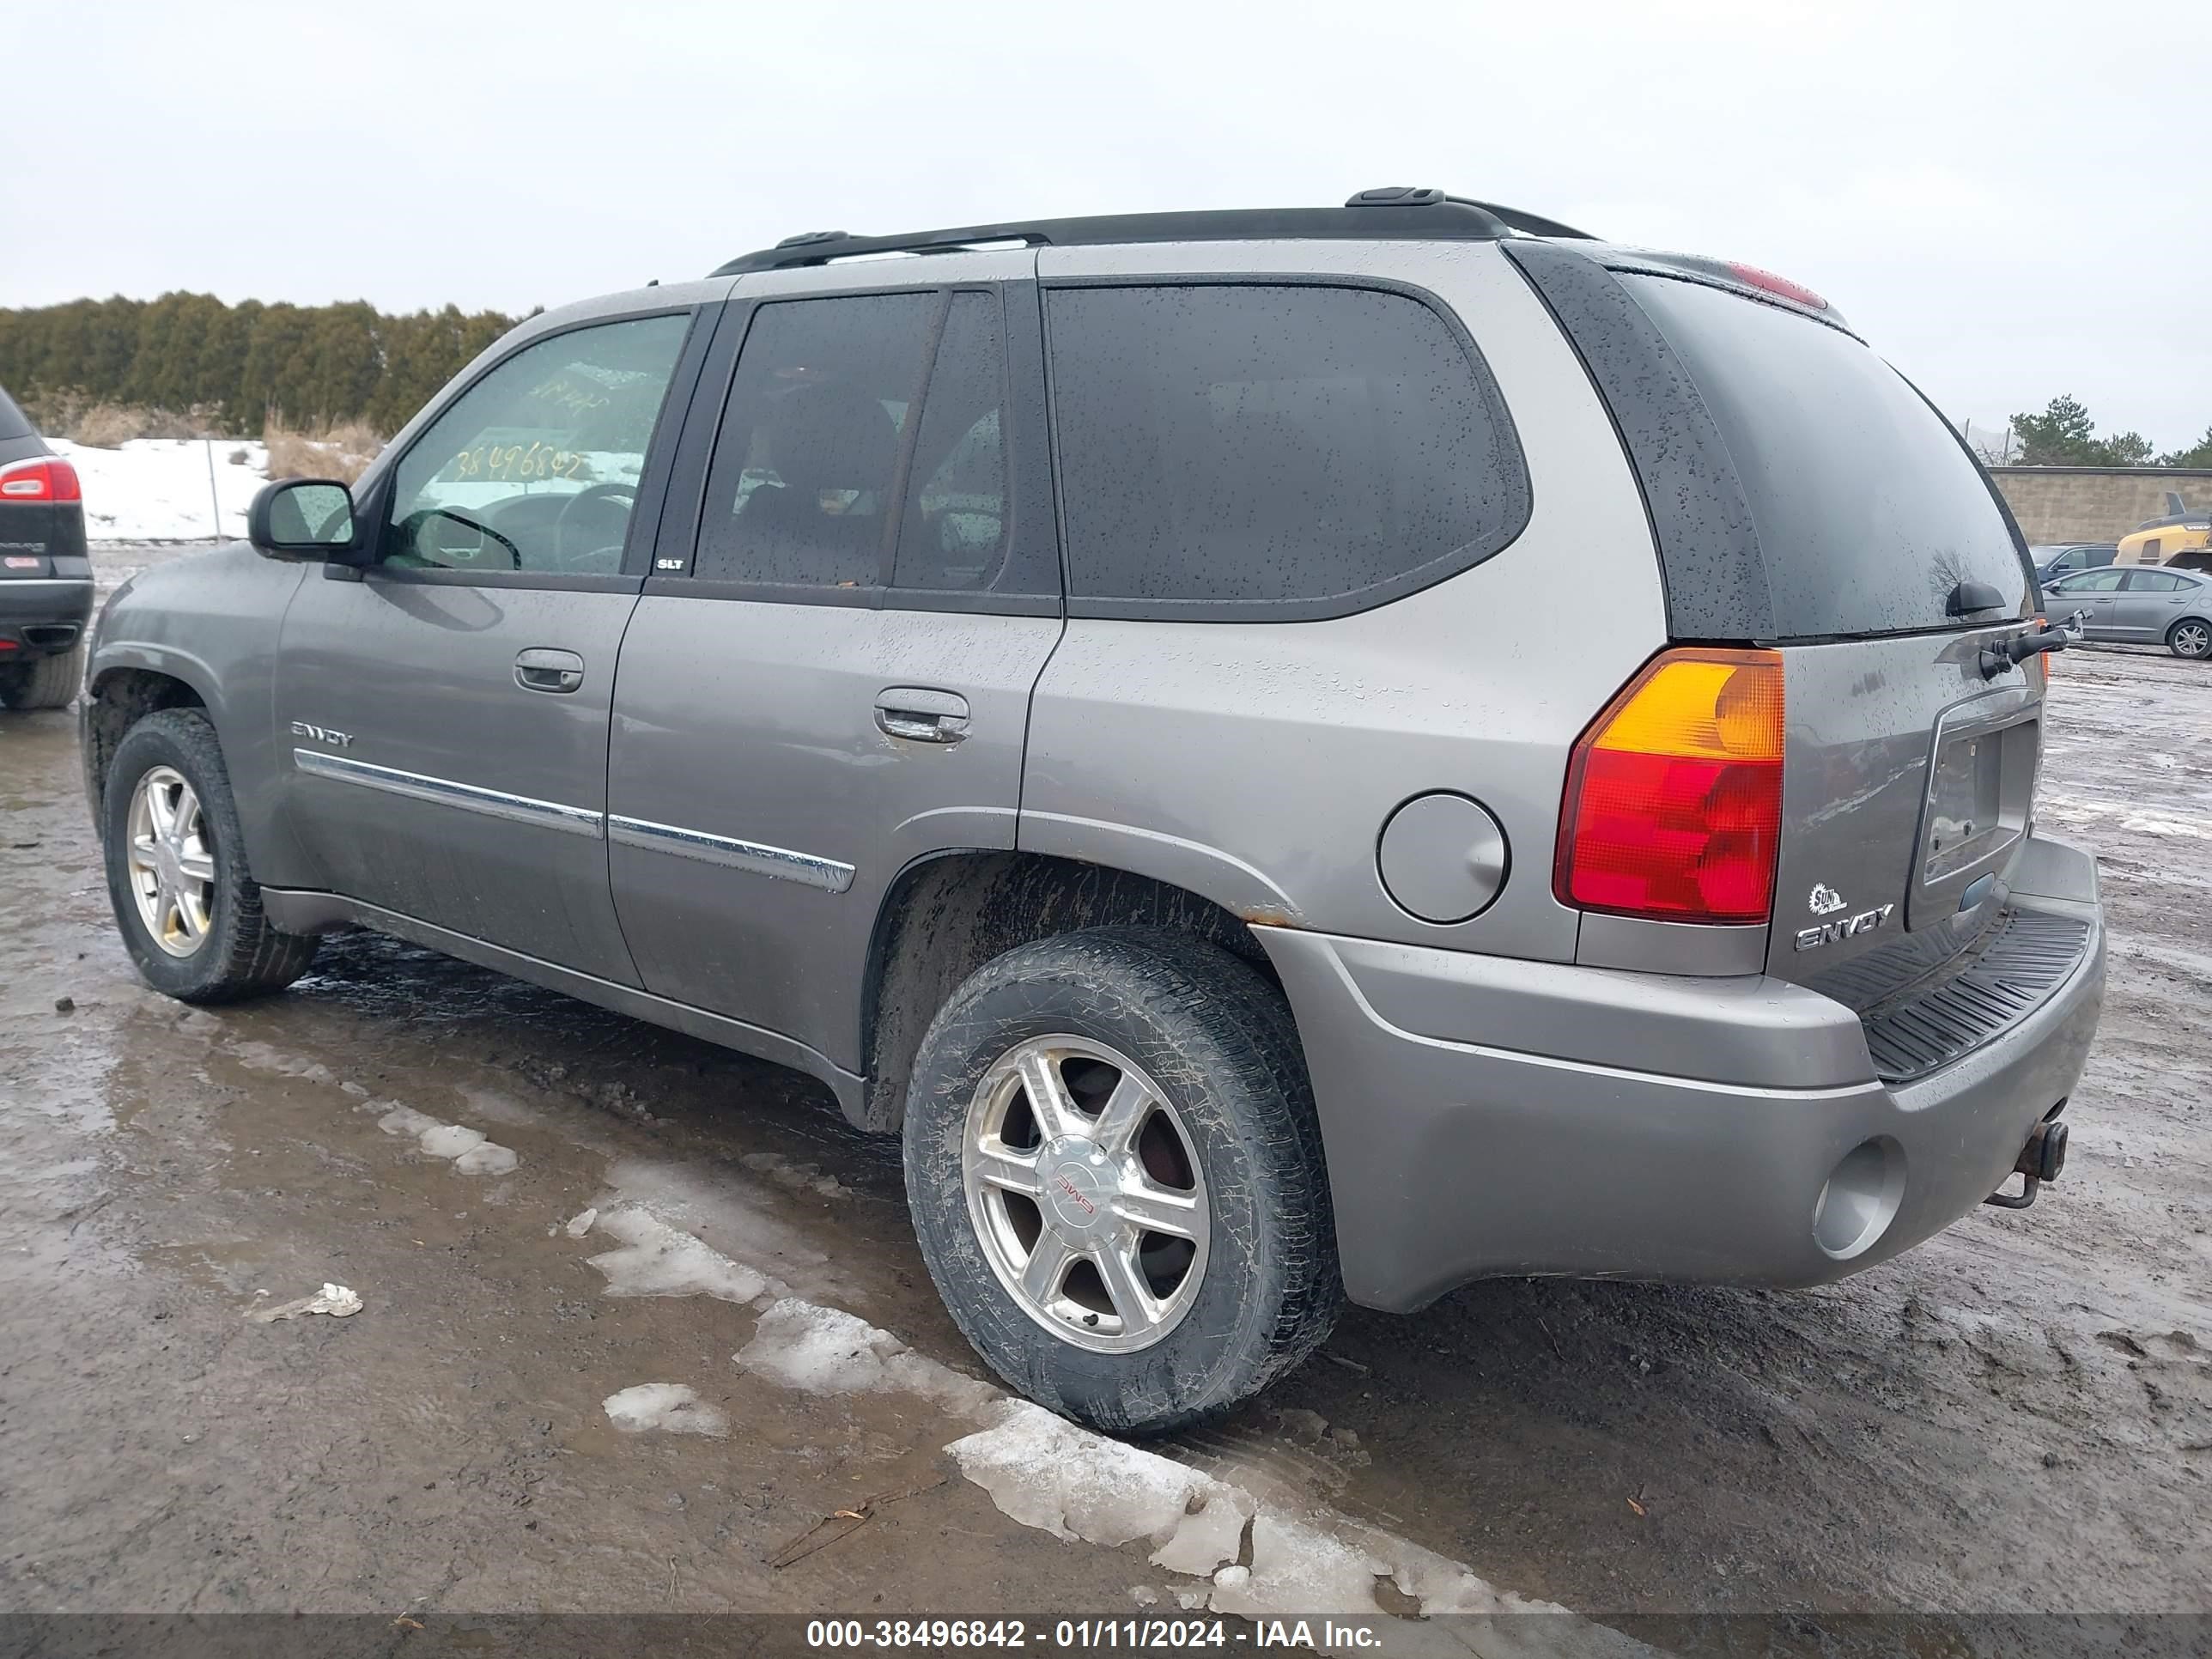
(922, 715)
(543, 669)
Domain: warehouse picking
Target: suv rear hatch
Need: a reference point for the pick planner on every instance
(41, 518)
(1806, 498)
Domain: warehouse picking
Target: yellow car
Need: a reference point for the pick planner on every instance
(2155, 541)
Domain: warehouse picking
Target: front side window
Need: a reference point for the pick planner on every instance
(1272, 448)
(2092, 581)
(536, 466)
(802, 488)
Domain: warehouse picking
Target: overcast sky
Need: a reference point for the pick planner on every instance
(2011, 201)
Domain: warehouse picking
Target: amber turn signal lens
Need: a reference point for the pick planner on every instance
(1673, 800)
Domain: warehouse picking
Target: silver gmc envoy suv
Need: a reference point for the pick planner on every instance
(1291, 755)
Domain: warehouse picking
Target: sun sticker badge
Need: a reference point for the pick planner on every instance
(1826, 901)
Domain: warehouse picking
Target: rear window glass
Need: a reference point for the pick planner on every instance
(12, 423)
(1868, 511)
(1276, 450)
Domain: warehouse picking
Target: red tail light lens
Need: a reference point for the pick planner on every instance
(1673, 799)
(41, 478)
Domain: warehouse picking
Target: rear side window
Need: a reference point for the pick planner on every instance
(1868, 510)
(802, 486)
(952, 535)
(12, 423)
(1271, 450)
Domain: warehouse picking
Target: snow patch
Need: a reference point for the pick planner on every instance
(734, 1215)
(670, 1407)
(2143, 824)
(803, 1345)
(338, 1301)
(798, 1177)
(264, 1057)
(468, 1149)
(157, 489)
(659, 1260)
(1047, 1473)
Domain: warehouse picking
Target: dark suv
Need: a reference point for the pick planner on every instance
(46, 579)
(1289, 754)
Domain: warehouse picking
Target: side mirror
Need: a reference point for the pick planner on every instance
(303, 519)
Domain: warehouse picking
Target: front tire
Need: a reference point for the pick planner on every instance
(2190, 638)
(45, 682)
(189, 910)
(1115, 1172)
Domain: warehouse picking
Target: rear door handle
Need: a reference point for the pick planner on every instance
(543, 669)
(921, 715)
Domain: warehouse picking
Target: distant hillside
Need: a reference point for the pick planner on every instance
(241, 365)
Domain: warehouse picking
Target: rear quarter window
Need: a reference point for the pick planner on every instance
(1868, 510)
(1251, 450)
(12, 423)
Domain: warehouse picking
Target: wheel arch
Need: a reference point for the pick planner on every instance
(948, 912)
(121, 691)
(2202, 619)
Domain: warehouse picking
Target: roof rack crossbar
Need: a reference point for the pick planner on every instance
(1389, 213)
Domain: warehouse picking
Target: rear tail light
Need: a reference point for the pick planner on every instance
(1673, 799)
(41, 478)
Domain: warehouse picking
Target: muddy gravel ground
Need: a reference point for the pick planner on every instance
(542, 1206)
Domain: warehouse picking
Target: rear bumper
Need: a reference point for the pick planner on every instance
(1485, 1116)
(43, 615)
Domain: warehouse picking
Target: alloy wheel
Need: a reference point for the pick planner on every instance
(172, 861)
(1085, 1191)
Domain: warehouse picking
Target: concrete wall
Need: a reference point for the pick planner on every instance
(2095, 503)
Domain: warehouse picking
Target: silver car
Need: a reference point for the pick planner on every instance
(2138, 604)
(1292, 756)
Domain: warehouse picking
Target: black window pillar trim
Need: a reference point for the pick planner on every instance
(1714, 572)
(909, 438)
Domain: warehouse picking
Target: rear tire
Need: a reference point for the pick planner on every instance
(45, 682)
(188, 907)
(1182, 1101)
(2190, 638)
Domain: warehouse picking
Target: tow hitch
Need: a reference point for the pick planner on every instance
(2041, 1160)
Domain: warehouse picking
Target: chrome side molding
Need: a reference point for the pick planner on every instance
(780, 862)
(444, 792)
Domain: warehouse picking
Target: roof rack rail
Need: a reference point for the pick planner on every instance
(1391, 211)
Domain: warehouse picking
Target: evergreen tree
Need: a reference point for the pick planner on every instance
(246, 362)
